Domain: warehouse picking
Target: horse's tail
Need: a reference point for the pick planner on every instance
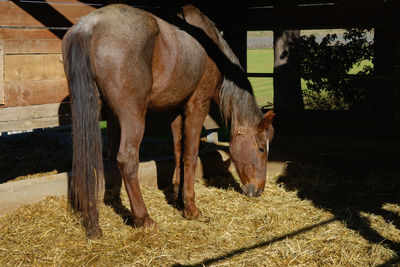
(86, 180)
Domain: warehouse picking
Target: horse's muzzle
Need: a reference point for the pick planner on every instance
(252, 191)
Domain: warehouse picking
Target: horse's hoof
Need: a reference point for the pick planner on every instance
(149, 223)
(146, 222)
(176, 192)
(191, 214)
(94, 232)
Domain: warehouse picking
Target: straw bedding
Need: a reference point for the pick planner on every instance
(286, 226)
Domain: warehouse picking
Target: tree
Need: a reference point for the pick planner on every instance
(330, 57)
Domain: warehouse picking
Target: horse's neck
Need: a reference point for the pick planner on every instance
(241, 127)
(246, 113)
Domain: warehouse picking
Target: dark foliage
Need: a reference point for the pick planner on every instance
(333, 58)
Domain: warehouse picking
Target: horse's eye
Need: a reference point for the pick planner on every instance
(261, 149)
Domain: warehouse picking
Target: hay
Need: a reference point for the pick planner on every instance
(278, 229)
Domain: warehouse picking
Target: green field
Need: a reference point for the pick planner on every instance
(262, 61)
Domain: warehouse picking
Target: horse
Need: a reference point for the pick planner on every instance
(136, 61)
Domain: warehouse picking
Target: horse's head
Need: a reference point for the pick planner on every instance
(249, 149)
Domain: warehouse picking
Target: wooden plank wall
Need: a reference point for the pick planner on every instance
(31, 70)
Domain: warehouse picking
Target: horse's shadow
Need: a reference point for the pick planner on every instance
(216, 170)
(112, 193)
(350, 194)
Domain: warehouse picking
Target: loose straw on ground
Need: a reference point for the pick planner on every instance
(278, 229)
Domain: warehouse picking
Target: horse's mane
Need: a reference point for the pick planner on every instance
(236, 103)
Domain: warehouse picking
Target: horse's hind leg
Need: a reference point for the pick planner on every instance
(128, 100)
(123, 66)
(176, 128)
(132, 123)
(113, 179)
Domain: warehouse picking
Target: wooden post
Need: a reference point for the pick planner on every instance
(236, 34)
(382, 101)
(396, 97)
(287, 90)
(237, 40)
(1, 75)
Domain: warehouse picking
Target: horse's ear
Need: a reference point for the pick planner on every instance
(266, 121)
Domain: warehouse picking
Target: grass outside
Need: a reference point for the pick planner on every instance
(261, 61)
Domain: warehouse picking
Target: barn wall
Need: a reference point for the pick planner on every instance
(32, 83)
(33, 70)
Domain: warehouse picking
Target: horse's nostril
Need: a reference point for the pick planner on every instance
(252, 191)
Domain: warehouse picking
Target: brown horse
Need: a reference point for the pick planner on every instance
(137, 61)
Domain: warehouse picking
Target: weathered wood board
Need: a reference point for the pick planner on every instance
(22, 14)
(33, 79)
(33, 67)
(32, 117)
(24, 93)
(29, 41)
(1, 75)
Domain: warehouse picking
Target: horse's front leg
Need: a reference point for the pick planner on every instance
(195, 113)
(132, 130)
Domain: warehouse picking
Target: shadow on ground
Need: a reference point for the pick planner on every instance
(215, 174)
(32, 153)
(350, 194)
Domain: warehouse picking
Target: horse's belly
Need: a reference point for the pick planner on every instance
(171, 94)
(168, 99)
(178, 64)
